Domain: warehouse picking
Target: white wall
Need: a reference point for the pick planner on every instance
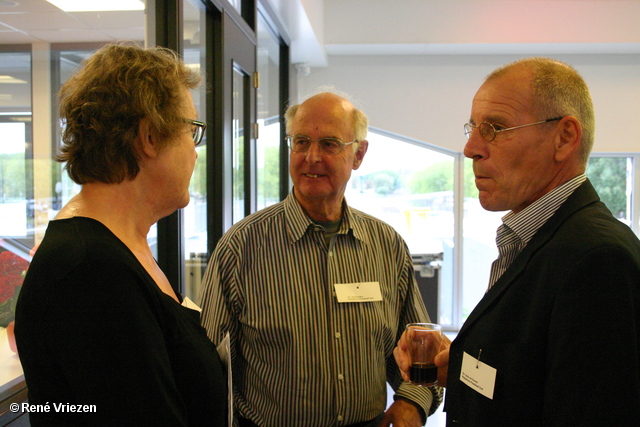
(428, 97)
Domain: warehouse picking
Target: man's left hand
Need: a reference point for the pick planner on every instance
(402, 414)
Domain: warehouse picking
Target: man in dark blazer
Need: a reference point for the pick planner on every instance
(556, 338)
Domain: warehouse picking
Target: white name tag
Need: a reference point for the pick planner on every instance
(477, 375)
(358, 292)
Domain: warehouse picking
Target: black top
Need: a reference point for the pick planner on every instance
(93, 328)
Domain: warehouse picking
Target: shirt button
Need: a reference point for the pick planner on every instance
(340, 417)
(337, 334)
(330, 253)
(340, 376)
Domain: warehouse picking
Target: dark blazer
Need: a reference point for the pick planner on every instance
(561, 327)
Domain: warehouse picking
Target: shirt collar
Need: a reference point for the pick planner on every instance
(527, 222)
(298, 222)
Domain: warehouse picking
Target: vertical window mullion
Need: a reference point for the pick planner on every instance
(168, 33)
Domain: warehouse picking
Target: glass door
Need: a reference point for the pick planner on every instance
(240, 138)
(271, 151)
(195, 50)
(236, 168)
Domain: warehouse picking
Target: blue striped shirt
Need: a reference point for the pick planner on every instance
(299, 357)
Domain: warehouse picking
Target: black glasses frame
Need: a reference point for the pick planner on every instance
(197, 131)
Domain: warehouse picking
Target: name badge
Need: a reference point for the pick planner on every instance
(186, 302)
(358, 292)
(477, 375)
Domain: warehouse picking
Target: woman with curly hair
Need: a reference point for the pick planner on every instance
(98, 324)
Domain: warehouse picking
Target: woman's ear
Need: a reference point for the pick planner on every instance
(147, 139)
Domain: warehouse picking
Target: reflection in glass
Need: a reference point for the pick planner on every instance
(238, 138)
(268, 143)
(69, 61)
(15, 206)
(237, 4)
(194, 215)
(18, 206)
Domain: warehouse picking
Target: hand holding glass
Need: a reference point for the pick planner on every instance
(424, 343)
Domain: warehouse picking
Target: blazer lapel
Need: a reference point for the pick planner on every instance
(582, 196)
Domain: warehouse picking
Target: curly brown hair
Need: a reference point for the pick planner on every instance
(103, 103)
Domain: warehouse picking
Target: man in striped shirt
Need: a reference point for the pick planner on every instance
(556, 338)
(315, 294)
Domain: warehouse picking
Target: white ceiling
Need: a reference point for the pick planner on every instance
(33, 21)
(319, 28)
(423, 27)
(455, 22)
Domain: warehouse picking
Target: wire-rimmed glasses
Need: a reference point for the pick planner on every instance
(197, 132)
(489, 131)
(331, 146)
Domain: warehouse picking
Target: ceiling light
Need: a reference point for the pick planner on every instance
(11, 80)
(97, 5)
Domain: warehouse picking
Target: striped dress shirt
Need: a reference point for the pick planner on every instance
(518, 229)
(299, 357)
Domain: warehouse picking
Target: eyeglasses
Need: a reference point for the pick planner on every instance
(331, 146)
(197, 132)
(489, 131)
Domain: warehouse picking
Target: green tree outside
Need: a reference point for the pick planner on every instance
(199, 179)
(435, 178)
(268, 176)
(609, 177)
(12, 177)
(440, 177)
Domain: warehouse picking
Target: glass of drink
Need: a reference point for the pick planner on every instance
(425, 341)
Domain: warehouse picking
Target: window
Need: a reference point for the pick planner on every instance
(194, 215)
(612, 177)
(241, 138)
(269, 138)
(237, 5)
(410, 185)
(479, 244)
(18, 207)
